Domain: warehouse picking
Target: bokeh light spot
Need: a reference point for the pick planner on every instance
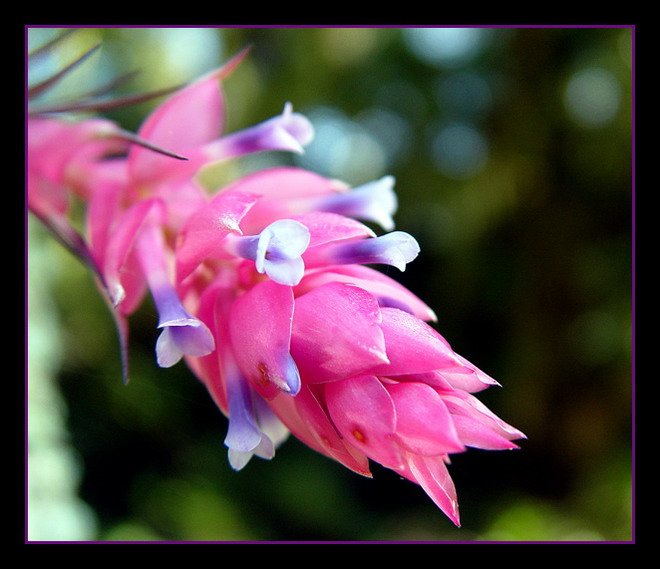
(592, 97)
(459, 150)
(343, 148)
(445, 47)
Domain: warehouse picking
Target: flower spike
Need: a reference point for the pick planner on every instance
(261, 286)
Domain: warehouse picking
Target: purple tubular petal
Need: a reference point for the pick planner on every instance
(253, 428)
(286, 271)
(279, 251)
(269, 423)
(374, 201)
(396, 249)
(243, 435)
(286, 132)
(170, 309)
(182, 333)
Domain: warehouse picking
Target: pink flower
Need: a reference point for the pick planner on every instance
(263, 288)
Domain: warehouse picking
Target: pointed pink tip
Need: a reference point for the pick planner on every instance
(228, 67)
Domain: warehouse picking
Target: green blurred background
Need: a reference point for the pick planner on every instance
(512, 153)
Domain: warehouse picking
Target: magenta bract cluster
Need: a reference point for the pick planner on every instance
(263, 287)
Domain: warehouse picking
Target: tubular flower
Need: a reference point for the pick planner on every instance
(264, 287)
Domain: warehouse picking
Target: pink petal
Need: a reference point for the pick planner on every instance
(328, 227)
(389, 292)
(285, 183)
(336, 333)
(412, 345)
(467, 376)
(466, 405)
(214, 307)
(431, 474)
(280, 190)
(120, 267)
(260, 328)
(104, 208)
(305, 418)
(191, 117)
(364, 413)
(424, 426)
(477, 435)
(204, 231)
(53, 146)
(183, 197)
(431, 378)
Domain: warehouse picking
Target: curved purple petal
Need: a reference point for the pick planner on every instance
(289, 132)
(396, 249)
(374, 201)
(191, 338)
